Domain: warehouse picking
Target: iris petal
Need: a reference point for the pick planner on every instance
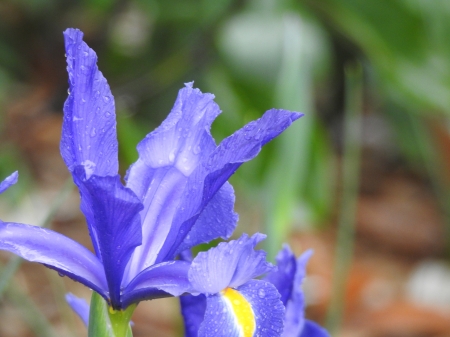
(295, 307)
(89, 126)
(193, 310)
(161, 280)
(283, 277)
(80, 306)
(112, 213)
(229, 264)
(253, 309)
(56, 251)
(167, 158)
(215, 170)
(218, 219)
(10, 180)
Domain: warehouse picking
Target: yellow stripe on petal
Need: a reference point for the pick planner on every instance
(242, 311)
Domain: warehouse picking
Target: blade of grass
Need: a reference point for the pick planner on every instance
(350, 186)
(289, 168)
(15, 262)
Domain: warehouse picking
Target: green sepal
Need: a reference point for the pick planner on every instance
(104, 321)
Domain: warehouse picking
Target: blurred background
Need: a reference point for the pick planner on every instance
(362, 178)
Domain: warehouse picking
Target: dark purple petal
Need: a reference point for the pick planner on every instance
(161, 280)
(215, 170)
(89, 127)
(295, 307)
(265, 317)
(312, 329)
(283, 277)
(230, 264)
(218, 219)
(193, 310)
(112, 213)
(80, 306)
(10, 180)
(167, 158)
(56, 251)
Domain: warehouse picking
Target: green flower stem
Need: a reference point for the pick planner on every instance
(104, 321)
(350, 187)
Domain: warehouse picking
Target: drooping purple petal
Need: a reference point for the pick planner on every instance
(193, 310)
(10, 180)
(89, 127)
(312, 329)
(218, 219)
(112, 213)
(283, 277)
(161, 280)
(80, 306)
(56, 251)
(232, 152)
(295, 307)
(167, 158)
(230, 264)
(254, 308)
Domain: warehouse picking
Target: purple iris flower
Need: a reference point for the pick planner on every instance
(232, 303)
(175, 196)
(286, 279)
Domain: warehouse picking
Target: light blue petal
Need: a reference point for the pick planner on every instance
(230, 264)
(89, 126)
(9, 181)
(265, 318)
(80, 306)
(167, 158)
(217, 167)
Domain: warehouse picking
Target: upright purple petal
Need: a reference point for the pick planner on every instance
(112, 213)
(167, 158)
(55, 251)
(230, 264)
(218, 219)
(161, 280)
(89, 127)
(80, 306)
(193, 310)
(295, 307)
(10, 180)
(232, 152)
(283, 277)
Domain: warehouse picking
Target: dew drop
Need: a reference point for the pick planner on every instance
(261, 293)
(196, 150)
(93, 132)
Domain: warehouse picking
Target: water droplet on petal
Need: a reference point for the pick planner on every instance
(261, 293)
